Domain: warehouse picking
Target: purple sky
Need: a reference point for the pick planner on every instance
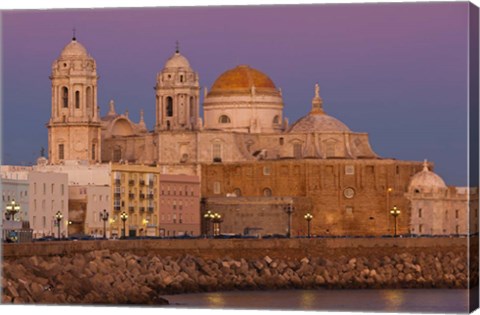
(396, 71)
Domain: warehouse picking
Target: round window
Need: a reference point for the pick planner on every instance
(349, 192)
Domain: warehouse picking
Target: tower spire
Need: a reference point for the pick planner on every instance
(177, 47)
(74, 33)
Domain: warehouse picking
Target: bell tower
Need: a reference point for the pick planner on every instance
(74, 128)
(177, 95)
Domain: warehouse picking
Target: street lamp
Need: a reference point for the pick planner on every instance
(58, 217)
(216, 219)
(309, 218)
(11, 209)
(395, 212)
(289, 210)
(104, 216)
(207, 216)
(124, 218)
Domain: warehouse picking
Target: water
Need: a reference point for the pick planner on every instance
(413, 300)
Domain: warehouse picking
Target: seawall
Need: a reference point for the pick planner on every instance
(140, 271)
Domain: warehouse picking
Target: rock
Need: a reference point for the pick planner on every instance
(305, 260)
(268, 260)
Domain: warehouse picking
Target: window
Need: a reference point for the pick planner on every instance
(89, 97)
(457, 229)
(34, 188)
(52, 188)
(224, 119)
(420, 213)
(61, 152)
(349, 170)
(93, 151)
(65, 97)
(297, 150)
(181, 78)
(77, 99)
(266, 170)
(349, 210)
(44, 188)
(280, 141)
(216, 188)
(267, 192)
(169, 106)
(420, 228)
(117, 155)
(217, 152)
(330, 149)
(44, 222)
(62, 189)
(456, 214)
(276, 120)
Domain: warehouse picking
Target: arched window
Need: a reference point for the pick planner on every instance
(77, 99)
(61, 151)
(117, 154)
(267, 192)
(65, 97)
(217, 152)
(169, 106)
(237, 192)
(224, 119)
(89, 97)
(192, 108)
(276, 120)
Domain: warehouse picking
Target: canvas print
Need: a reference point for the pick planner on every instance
(276, 157)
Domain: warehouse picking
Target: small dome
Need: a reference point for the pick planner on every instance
(426, 179)
(177, 61)
(242, 79)
(318, 123)
(74, 49)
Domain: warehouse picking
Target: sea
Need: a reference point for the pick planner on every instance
(396, 300)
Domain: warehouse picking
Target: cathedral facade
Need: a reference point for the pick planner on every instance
(242, 146)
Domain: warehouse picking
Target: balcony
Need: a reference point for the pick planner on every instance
(116, 195)
(142, 182)
(150, 183)
(142, 209)
(131, 196)
(117, 182)
(150, 196)
(131, 182)
(150, 209)
(131, 208)
(142, 196)
(116, 208)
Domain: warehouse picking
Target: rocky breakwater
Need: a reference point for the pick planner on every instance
(105, 277)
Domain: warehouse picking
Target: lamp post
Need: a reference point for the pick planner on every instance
(289, 210)
(208, 217)
(11, 209)
(104, 217)
(58, 217)
(395, 212)
(124, 217)
(309, 218)
(216, 219)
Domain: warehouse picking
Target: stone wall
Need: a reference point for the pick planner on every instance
(139, 272)
(348, 197)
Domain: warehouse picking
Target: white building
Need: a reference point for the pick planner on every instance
(48, 193)
(441, 210)
(14, 186)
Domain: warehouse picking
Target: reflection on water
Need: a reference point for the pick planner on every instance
(414, 300)
(216, 299)
(308, 299)
(393, 299)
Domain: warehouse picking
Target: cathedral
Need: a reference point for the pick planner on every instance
(241, 147)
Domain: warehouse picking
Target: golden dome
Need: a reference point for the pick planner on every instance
(241, 79)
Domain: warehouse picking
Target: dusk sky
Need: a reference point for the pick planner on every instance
(396, 71)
